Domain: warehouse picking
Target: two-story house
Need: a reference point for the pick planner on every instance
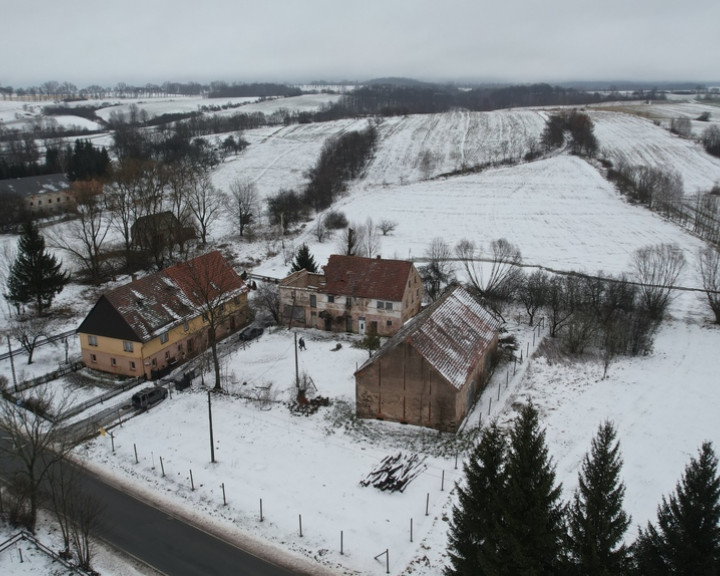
(151, 324)
(353, 294)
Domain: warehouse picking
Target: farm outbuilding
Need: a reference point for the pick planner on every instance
(431, 372)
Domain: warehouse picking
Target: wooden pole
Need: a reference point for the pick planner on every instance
(162, 467)
(411, 530)
(261, 515)
(223, 489)
(442, 482)
(212, 443)
(341, 543)
(112, 441)
(297, 373)
(427, 504)
(192, 484)
(136, 458)
(300, 521)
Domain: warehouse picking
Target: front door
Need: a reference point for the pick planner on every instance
(361, 325)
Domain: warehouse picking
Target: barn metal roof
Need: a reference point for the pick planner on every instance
(452, 334)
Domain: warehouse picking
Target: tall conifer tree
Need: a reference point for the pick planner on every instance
(473, 532)
(686, 541)
(596, 520)
(532, 530)
(303, 259)
(35, 276)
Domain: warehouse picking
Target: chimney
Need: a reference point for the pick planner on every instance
(134, 277)
(377, 257)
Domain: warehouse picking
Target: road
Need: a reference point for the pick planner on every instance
(160, 540)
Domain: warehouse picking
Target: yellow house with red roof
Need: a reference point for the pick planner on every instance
(148, 326)
(353, 294)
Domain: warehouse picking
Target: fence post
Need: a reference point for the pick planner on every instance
(223, 489)
(427, 504)
(162, 467)
(136, 458)
(411, 539)
(192, 483)
(261, 515)
(300, 521)
(112, 441)
(442, 482)
(341, 543)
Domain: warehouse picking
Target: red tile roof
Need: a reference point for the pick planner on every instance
(155, 303)
(366, 277)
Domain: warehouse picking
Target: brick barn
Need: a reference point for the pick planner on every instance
(431, 372)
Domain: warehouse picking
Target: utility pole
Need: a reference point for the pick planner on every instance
(212, 442)
(297, 374)
(12, 362)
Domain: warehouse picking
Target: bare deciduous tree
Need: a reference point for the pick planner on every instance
(657, 269)
(533, 292)
(503, 274)
(368, 239)
(84, 238)
(386, 226)
(35, 439)
(708, 261)
(206, 203)
(245, 196)
(267, 298)
(439, 272)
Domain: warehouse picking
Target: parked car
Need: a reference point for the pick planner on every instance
(250, 332)
(148, 397)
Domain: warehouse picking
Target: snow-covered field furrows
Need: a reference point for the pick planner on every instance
(415, 148)
(640, 141)
(279, 157)
(560, 212)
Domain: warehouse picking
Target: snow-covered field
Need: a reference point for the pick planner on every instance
(562, 214)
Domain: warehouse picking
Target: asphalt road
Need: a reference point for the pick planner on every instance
(163, 542)
(168, 544)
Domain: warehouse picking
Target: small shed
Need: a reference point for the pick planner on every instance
(432, 371)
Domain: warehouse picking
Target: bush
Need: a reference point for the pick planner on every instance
(336, 220)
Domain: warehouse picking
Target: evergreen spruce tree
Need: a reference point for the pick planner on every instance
(532, 530)
(473, 535)
(596, 520)
(303, 259)
(35, 277)
(686, 541)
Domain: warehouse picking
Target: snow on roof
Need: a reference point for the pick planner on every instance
(452, 335)
(157, 302)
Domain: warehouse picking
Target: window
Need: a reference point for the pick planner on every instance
(380, 304)
(236, 300)
(132, 365)
(389, 323)
(92, 340)
(167, 354)
(313, 300)
(127, 346)
(384, 305)
(164, 337)
(93, 358)
(154, 362)
(113, 361)
(388, 306)
(331, 298)
(189, 346)
(186, 326)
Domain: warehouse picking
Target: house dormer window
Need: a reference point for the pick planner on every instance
(164, 337)
(331, 298)
(92, 340)
(127, 346)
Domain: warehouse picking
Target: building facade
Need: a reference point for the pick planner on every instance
(157, 322)
(353, 294)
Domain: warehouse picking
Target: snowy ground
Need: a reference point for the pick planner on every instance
(561, 213)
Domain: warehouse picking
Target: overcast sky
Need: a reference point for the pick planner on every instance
(132, 41)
